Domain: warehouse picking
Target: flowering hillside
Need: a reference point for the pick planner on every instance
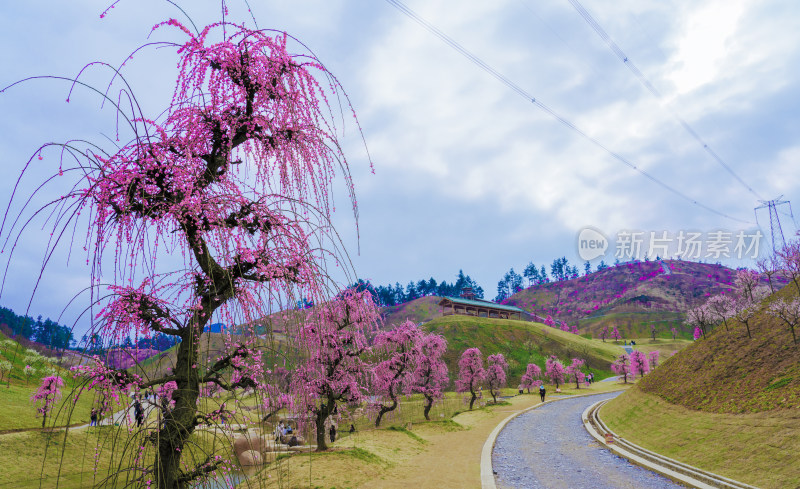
(633, 297)
(732, 372)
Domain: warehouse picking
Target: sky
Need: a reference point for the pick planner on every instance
(469, 174)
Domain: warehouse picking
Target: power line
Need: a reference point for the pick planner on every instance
(653, 90)
(529, 97)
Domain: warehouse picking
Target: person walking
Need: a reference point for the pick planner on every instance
(93, 417)
(542, 392)
(138, 412)
(332, 432)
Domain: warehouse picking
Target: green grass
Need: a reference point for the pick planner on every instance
(756, 448)
(521, 342)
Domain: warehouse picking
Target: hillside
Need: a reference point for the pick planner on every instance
(730, 373)
(521, 342)
(630, 296)
(419, 311)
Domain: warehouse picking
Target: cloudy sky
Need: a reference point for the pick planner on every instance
(469, 174)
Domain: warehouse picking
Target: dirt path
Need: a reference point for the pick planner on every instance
(461, 467)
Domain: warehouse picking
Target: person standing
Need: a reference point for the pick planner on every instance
(542, 392)
(332, 432)
(93, 417)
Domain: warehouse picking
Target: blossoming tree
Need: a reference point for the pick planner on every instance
(430, 374)
(392, 376)
(531, 378)
(47, 395)
(555, 371)
(233, 180)
(496, 374)
(470, 373)
(575, 372)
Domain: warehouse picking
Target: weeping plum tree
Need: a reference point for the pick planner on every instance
(234, 179)
(335, 371)
(622, 367)
(496, 374)
(575, 372)
(392, 376)
(430, 374)
(47, 395)
(639, 363)
(530, 379)
(470, 373)
(555, 371)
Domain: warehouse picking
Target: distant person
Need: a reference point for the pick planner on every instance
(93, 417)
(352, 429)
(542, 392)
(138, 413)
(332, 433)
(633, 342)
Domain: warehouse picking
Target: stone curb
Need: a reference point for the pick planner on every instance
(487, 472)
(675, 470)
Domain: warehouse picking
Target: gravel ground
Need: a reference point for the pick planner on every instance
(548, 447)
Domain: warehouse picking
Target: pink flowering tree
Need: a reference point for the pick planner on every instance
(555, 371)
(604, 333)
(47, 395)
(639, 363)
(531, 378)
(496, 374)
(575, 372)
(430, 373)
(788, 259)
(232, 181)
(622, 367)
(653, 357)
(401, 347)
(335, 371)
(674, 332)
(615, 334)
(470, 373)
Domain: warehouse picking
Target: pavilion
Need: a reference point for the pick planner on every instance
(478, 307)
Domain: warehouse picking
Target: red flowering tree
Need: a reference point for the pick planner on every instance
(392, 376)
(496, 374)
(531, 378)
(575, 372)
(555, 371)
(47, 395)
(430, 374)
(335, 371)
(470, 373)
(233, 181)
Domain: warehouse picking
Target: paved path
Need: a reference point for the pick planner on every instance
(549, 448)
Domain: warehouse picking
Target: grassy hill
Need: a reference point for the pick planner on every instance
(630, 296)
(731, 373)
(419, 311)
(521, 342)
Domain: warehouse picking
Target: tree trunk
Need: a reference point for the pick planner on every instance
(428, 405)
(319, 422)
(472, 399)
(179, 422)
(384, 410)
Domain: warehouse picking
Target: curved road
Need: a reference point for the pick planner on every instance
(549, 448)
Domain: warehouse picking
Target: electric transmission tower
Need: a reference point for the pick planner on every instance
(775, 229)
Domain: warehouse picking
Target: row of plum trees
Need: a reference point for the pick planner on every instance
(745, 301)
